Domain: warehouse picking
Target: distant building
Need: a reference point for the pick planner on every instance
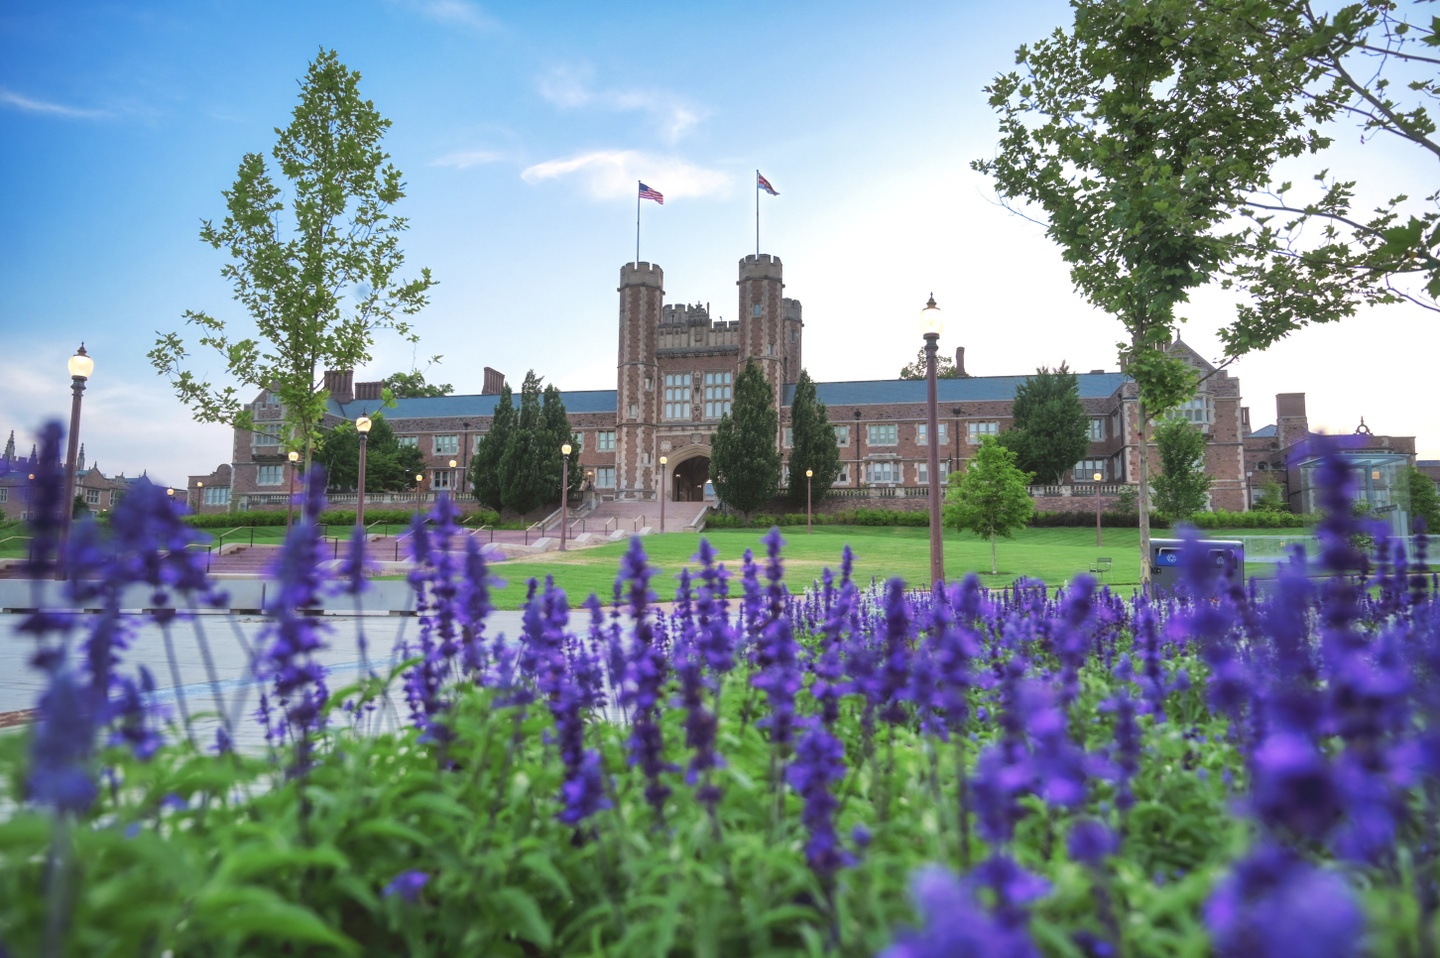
(100, 492)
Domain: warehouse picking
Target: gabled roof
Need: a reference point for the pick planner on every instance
(1264, 432)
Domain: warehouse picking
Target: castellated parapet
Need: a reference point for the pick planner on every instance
(642, 274)
(760, 266)
(642, 297)
(762, 318)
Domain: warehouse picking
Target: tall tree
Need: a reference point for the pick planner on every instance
(522, 469)
(1424, 499)
(412, 385)
(485, 464)
(317, 286)
(555, 425)
(1139, 132)
(812, 444)
(1183, 486)
(744, 459)
(991, 498)
(1051, 429)
(945, 368)
(389, 466)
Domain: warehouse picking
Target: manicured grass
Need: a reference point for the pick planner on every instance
(1052, 555)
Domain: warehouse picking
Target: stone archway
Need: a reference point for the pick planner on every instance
(687, 479)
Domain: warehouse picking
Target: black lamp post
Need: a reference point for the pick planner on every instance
(80, 366)
(809, 473)
(294, 458)
(419, 478)
(199, 495)
(362, 426)
(957, 412)
(565, 493)
(857, 449)
(1098, 477)
(931, 323)
(663, 461)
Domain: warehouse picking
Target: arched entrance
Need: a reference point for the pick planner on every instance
(687, 479)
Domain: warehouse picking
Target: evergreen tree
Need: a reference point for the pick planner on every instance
(990, 499)
(522, 470)
(1424, 500)
(1181, 488)
(485, 464)
(744, 461)
(555, 424)
(812, 444)
(389, 466)
(1051, 429)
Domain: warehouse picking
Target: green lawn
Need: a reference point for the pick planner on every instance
(1054, 555)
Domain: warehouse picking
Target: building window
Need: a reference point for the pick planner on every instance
(265, 434)
(677, 395)
(578, 441)
(269, 475)
(475, 443)
(92, 497)
(842, 435)
(442, 479)
(447, 445)
(605, 477)
(922, 433)
(844, 478)
(115, 496)
(717, 394)
(4, 494)
(922, 472)
(880, 472)
(1097, 430)
(1199, 410)
(789, 437)
(634, 411)
(1085, 470)
(412, 441)
(755, 309)
(605, 441)
(882, 434)
(217, 495)
(978, 429)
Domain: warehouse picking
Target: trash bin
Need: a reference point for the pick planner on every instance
(1228, 555)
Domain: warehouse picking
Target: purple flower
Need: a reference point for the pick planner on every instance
(818, 765)
(1275, 904)
(407, 885)
(61, 750)
(1091, 842)
(954, 925)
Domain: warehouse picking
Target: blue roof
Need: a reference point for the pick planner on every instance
(972, 389)
(451, 407)
(1264, 432)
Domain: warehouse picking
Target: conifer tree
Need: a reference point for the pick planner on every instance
(555, 424)
(744, 460)
(522, 479)
(485, 464)
(812, 444)
(1051, 430)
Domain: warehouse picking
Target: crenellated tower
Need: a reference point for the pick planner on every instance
(762, 318)
(642, 297)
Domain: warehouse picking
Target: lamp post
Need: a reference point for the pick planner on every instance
(565, 493)
(80, 367)
(931, 323)
(465, 447)
(1098, 540)
(809, 474)
(857, 450)
(419, 478)
(957, 412)
(362, 426)
(199, 495)
(663, 461)
(294, 458)
(453, 487)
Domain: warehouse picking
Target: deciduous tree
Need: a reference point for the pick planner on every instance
(319, 283)
(389, 466)
(991, 498)
(812, 444)
(1424, 500)
(412, 385)
(1182, 487)
(744, 460)
(945, 368)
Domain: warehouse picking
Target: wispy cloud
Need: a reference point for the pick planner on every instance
(464, 159)
(571, 88)
(608, 174)
(461, 13)
(27, 104)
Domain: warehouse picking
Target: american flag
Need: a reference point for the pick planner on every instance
(646, 193)
(764, 184)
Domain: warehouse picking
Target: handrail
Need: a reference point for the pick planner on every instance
(635, 526)
(610, 523)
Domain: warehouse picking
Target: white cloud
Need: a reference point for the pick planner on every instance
(571, 88)
(30, 105)
(464, 159)
(609, 174)
(455, 13)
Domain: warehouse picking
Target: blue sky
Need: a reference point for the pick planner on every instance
(521, 129)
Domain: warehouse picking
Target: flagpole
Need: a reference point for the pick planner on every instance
(757, 212)
(637, 224)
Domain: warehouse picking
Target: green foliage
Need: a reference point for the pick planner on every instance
(744, 460)
(1181, 489)
(990, 499)
(389, 466)
(556, 432)
(1272, 496)
(1424, 500)
(485, 464)
(523, 471)
(412, 385)
(317, 287)
(1051, 429)
(812, 445)
(945, 368)
(1254, 519)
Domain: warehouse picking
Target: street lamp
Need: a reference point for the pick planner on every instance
(808, 474)
(663, 461)
(199, 495)
(453, 487)
(564, 493)
(294, 458)
(362, 426)
(80, 366)
(419, 478)
(931, 323)
(857, 450)
(1098, 477)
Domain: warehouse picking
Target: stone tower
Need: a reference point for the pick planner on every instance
(762, 319)
(637, 390)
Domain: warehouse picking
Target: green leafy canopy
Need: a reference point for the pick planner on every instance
(745, 460)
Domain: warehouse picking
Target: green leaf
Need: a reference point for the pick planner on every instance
(239, 913)
(523, 915)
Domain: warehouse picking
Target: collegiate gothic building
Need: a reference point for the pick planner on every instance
(675, 374)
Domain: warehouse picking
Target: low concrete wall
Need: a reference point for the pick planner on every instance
(244, 596)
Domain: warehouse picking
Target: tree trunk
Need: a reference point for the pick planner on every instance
(994, 569)
(1144, 499)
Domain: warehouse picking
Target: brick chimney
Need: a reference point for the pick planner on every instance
(1291, 422)
(493, 383)
(960, 362)
(340, 384)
